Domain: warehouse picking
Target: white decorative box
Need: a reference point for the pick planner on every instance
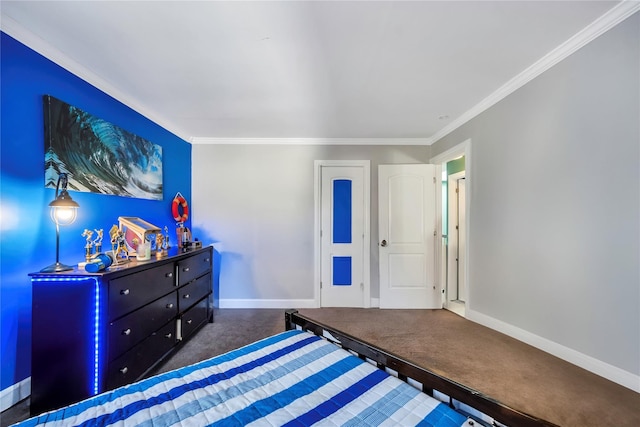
(137, 231)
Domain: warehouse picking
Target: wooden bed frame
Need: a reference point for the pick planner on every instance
(431, 383)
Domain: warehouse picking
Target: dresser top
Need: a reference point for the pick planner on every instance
(129, 266)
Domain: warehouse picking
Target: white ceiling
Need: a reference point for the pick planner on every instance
(215, 70)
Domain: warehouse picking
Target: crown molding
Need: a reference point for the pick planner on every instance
(309, 141)
(29, 39)
(604, 23)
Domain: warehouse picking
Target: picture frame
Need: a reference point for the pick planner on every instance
(98, 156)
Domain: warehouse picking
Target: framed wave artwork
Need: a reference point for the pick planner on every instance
(98, 156)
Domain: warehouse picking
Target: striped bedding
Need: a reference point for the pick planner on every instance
(291, 379)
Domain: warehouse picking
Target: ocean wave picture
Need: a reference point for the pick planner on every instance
(98, 156)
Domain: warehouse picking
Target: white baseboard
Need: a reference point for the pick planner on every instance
(268, 303)
(15, 393)
(278, 303)
(598, 367)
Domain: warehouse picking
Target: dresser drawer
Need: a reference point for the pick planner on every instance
(131, 365)
(129, 330)
(194, 291)
(194, 318)
(135, 290)
(192, 267)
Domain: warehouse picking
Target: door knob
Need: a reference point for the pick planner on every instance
(383, 243)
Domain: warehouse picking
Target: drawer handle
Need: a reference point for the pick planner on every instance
(124, 292)
(186, 296)
(190, 321)
(170, 305)
(124, 370)
(168, 275)
(126, 331)
(207, 259)
(185, 269)
(169, 335)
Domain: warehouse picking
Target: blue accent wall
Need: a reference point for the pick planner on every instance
(27, 234)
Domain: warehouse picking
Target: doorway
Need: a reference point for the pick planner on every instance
(455, 288)
(454, 250)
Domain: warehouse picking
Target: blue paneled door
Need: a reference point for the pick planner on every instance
(343, 230)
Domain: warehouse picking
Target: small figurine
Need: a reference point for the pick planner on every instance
(88, 247)
(160, 251)
(135, 242)
(165, 243)
(118, 244)
(98, 242)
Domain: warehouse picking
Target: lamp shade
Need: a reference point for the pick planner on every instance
(63, 209)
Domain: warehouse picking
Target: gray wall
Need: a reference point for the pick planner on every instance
(256, 203)
(554, 244)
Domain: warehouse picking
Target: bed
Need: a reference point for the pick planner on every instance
(309, 374)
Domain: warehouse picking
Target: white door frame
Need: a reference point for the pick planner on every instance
(462, 149)
(453, 199)
(317, 222)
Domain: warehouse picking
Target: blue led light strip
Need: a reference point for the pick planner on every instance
(96, 324)
(96, 338)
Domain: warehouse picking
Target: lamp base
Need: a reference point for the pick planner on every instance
(55, 268)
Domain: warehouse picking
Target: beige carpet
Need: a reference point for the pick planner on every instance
(506, 369)
(231, 329)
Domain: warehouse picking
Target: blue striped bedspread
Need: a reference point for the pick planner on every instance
(290, 379)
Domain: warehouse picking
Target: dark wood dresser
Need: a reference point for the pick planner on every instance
(96, 332)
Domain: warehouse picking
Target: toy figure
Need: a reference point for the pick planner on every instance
(98, 242)
(165, 243)
(88, 247)
(118, 244)
(160, 251)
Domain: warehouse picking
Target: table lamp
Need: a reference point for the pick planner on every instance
(63, 211)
